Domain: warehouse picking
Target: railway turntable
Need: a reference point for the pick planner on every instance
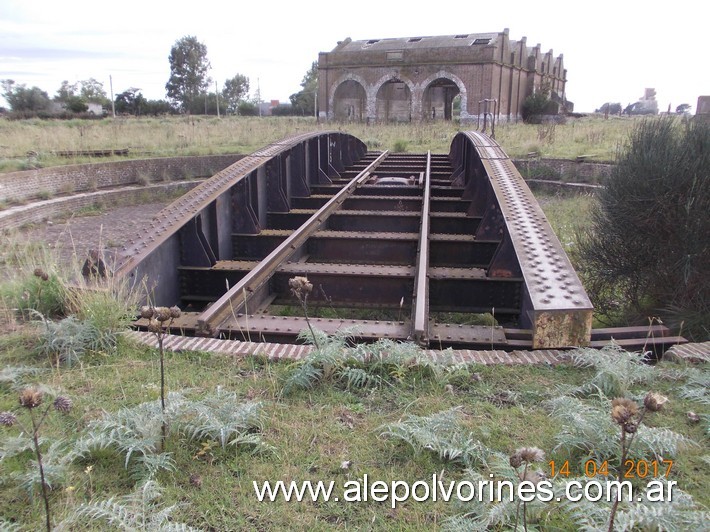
(447, 250)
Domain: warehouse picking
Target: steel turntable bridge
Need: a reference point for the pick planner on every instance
(448, 250)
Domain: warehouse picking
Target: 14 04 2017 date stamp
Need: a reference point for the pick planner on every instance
(630, 468)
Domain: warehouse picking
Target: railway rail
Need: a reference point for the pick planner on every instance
(447, 250)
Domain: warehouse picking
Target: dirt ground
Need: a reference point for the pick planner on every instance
(72, 238)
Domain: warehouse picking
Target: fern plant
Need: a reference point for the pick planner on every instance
(13, 375)
(363, 366)
(697, 387)
(489, 512)
(588, 431)
(50, 464)
(135, 433)
(442, 434)
(222, 418)
(322, 364)
(616, 370)
(679, 513)
(56, 461)
(68, 340)
(9, 526)
(138, 511)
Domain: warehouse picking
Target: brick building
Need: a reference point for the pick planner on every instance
(419, 78)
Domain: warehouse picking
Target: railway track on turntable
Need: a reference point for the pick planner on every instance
(446, 250)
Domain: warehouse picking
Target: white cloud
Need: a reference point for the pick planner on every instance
(612, 50)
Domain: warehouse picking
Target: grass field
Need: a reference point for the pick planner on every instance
(197, 135)
(231, 421)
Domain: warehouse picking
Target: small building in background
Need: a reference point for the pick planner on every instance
(436, 78)
(646, 105)
(702, 110)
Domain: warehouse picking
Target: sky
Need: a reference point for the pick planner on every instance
(612, 50)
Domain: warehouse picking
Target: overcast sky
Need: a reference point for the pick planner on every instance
(612, 49)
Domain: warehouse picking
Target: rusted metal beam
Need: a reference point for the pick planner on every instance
(260, 327)
(555, 305)
(237, 298)
(420, 311)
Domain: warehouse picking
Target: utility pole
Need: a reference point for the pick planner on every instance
(216, 95)
(113, 104)
(258, 95)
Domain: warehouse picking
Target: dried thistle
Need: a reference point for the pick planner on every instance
(154, 325)
(147, 312)
(39, 272)
(300, 286)
(623, 410)
(7, 419)
(175, 312)
(63, 404)
(531, 454)
(516, 460)
(630, 428)
(162, 314)
(31, 398)
(654, 401)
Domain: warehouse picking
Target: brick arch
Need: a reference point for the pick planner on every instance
(337, 83)
(375, 88)
(451, 77)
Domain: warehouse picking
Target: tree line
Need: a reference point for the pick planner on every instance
(188, 91)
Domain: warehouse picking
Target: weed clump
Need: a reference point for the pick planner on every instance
(646, 252)
(30, 400)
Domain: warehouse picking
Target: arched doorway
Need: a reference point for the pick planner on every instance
(438, 99)
(349, 102)
(394, 102)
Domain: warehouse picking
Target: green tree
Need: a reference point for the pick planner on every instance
(248, 109)
(93, 91)
(22, 99)
(206, 104)
(188, 71)
(648, 251)
(159, 107)
(65, 92)
(76, 104)
(130, 101)
(234, 91)
(304, 102)
(683, 108)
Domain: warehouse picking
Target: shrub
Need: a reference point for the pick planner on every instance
(247, 109)
(648, 241)
(534, 106)
(400, 146)
(67, 340)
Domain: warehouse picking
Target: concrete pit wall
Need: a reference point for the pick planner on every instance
(45, 183)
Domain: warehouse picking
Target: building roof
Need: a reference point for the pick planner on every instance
(400, 43)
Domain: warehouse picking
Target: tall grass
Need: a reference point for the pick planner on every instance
(35, 286)
(201, 135)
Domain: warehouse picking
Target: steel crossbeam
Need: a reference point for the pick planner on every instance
(237, 298)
